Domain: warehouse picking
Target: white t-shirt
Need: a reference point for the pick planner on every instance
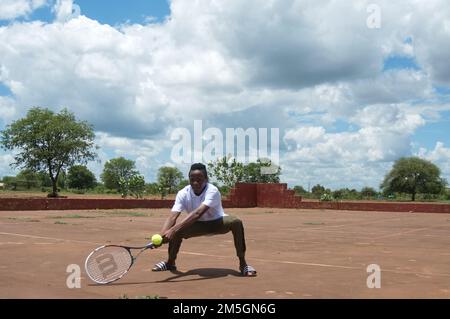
(186, 200)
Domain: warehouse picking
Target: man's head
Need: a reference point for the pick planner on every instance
(198, 177)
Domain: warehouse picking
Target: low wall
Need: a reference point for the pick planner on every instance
(381, 207)
(80, 203)
(243, 195)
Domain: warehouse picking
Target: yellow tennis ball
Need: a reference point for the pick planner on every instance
(157, 240)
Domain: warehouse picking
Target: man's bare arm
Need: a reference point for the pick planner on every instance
(170, 222)
(189, 220)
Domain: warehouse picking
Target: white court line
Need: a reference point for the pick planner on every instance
(326, 227)
(360, 224)
(256, 259)
(319, 265)
(402, 233)
(50, 238)
(12, 243)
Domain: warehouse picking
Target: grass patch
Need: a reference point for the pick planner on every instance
(25, 219)
(75, 216)
(269, 212)
(60, 223)
(313, 223)
(126, 214)
(125, 296)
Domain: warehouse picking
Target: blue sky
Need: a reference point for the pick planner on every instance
(348, 99)
(106, 11)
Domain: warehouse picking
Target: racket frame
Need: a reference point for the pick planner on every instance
(128, 249)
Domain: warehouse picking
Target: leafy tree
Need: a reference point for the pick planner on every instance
(253, 173)
(368, 192)
(326, 197)
(229, 172)
(118, 171)
(49, 142)
(135, 186)
(45, 180)
(226, 171)
(169, 179)
(346, 193)
(413, 175)
(338, 194)
(80, 177)
(183, 184)
(10, 182)
(29, 178)
(152, 188)
(299, 190)
(318, 190)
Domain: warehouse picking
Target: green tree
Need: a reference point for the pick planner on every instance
(118, 171)
(182, 184)
(45, 180)
(134, 185)
(169, 179)
(10, 182)
(49, 142)
(226, 171)
(254, 173)
(318, 190)
(299, 190)
(28, 178)
(152, 188)
(413, 175)
(229, 172)
(80, 177)
(368, 192)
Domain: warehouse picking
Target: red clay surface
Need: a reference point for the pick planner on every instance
(298, 254)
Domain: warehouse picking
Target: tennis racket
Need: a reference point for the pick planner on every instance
(109, 263)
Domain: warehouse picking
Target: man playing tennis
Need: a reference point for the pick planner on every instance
(202, 201)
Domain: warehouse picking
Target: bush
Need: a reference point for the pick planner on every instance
(100, 189)
(78, 191)
(326, 198)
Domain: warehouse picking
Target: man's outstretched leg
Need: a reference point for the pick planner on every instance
(235, 225)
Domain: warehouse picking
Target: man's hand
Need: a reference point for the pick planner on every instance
(189, 220)
(168, 235)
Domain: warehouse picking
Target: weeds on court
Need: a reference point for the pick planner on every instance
(125, 296)
(74, 216)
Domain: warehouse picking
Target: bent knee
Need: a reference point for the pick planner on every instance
(237, 223)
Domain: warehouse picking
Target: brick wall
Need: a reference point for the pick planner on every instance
(79, 203)
(241, 196)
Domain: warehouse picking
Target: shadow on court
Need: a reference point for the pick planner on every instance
(200, 273)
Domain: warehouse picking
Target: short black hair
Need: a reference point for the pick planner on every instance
(199, 167)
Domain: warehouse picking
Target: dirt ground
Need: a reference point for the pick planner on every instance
(297, 253)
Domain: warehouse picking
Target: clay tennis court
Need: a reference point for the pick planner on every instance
(298, 254)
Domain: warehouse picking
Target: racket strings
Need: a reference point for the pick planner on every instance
(108, 264)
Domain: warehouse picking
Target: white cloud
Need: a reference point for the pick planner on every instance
(7, 109)
(300, 66)
(66, 10)
(440, 156)
(5, 169)
(11, 9)
(393, 118)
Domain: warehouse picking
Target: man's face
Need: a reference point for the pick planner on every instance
(197, 181)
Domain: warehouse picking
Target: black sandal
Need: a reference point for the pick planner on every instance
(248, 271)
(163, 266)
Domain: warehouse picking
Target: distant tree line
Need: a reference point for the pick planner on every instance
(52, 150)
(410, 178)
